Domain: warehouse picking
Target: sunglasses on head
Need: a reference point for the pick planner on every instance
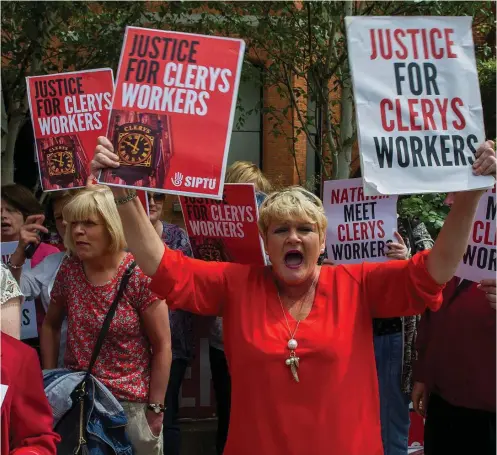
(157, 197)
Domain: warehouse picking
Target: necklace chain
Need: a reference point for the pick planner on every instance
(304, 300)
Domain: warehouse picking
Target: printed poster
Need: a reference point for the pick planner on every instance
(173, 111)
(29, 328)
(418, 111)
(225, 230)
(69, 111)
(479, 260)
(359, 226)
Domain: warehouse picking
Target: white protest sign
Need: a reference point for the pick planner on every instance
(359, 226)
(418, 104)
(3, 392)
(479, 260)
(29, 328)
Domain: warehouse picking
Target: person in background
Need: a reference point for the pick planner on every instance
(394, 351)
(26, 417)
(136, 353)
(10, 303)
(39, 281)
(454, 373)
(17, 204)
(181, 328)
(238, 172)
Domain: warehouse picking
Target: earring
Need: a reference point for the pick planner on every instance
(322, 250)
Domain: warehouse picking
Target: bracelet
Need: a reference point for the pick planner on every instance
(123, 200)
(15, 267)
(157, 408)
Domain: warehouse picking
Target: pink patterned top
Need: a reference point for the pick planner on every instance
(124, 362)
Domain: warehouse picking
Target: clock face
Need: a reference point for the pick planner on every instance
(60, 163)
(210, 253)
(135, 148)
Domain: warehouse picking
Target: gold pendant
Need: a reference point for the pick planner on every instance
(293, 363)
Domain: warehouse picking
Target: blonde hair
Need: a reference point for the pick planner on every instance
(94, 201)
(247, 172)
(293, 203)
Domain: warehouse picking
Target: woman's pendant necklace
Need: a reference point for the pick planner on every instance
(293, 361)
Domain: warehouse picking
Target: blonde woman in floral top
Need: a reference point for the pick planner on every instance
(10, 301)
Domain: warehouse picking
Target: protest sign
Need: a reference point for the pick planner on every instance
(143, 197)
(418, 104)
(224, 230)
(29, 328)
(359, 226)
(68, 112)
(479, 260)
(173, 111)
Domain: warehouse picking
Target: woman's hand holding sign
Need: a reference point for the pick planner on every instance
(485, 163)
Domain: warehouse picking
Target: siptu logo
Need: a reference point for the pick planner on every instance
(177, 180)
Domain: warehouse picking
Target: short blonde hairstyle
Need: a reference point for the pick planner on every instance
(247, 172)
(94, 201)
(293, 203)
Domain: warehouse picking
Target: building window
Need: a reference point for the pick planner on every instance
(246, 137)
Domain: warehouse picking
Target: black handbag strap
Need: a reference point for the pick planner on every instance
(109, 317)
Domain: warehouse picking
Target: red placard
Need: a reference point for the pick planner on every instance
(173, 111)
(142, 195)
(224, 230)
(68, 112)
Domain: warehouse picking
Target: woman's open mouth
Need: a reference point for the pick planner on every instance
(293, 259)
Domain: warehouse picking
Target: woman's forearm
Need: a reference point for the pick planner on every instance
(11, 317)
(141, 237)
(452, 241)
(159, 377)
(49, 346)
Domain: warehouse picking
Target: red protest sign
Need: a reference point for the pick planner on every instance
(224, 230)
(68, 112)
(173, 111)
(143, 197)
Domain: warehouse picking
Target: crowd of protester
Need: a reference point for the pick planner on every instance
(305, 359)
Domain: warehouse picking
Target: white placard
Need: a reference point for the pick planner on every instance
(359, 226)
(418, 104)
(3, 392)
(29, 327)
(479, 260)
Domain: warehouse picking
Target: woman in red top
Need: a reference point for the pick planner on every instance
(26, 417)
(298, 337)
(135, 358)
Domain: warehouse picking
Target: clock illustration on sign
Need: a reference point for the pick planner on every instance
(135, 148)
(60, 163)
(138, 148)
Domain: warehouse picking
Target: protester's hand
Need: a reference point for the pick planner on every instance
(418, 398)
(489, 287)
(31, 229)
(154, 422)
(327, 262)
(397, 250)
(103, 157)
(485, 163)
(29, 233)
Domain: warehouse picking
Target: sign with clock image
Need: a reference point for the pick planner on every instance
(69, 111)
